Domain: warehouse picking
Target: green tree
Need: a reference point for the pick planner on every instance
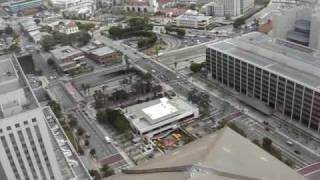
(95, 174)
(47, 42)
(72, 121)
(8, 30)
(267, 144)
(289, 163)
(84, 38)
(92, 152)
(237, 129)
(115, 32)
(195, 67)
(86, 142)
(99, 98)
(115, 118)
(55, 108)
(138, 23)
(51, 62)
(120, 95)
(106, 171)
(256, 142)
(37, 21)
(238, 22)
(14, 47)
(80, 131)
(85, 26)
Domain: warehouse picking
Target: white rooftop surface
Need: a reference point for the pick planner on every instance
(15, 93)
(7, 71)
(224, 155)
(102, 51)
(294, 62)
(64, 52)
(160, 110)
(157, 113)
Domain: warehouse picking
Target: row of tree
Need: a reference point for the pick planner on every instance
(49, 41)
(180, 32)
(137, 27)
(85, 26)
(196, 67)
(115, 118)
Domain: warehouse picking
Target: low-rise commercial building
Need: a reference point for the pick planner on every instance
(156, 116)
(193, 19)
(66, 27)
(143, 6)
(104, 55)
(68, 58)
(282, 75)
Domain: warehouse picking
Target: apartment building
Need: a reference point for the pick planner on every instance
(282, 75)
(26, 147)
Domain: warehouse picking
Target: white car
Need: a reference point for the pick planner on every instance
(107, 138)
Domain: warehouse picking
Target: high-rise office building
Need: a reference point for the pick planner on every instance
(278, 74)
(26, 149)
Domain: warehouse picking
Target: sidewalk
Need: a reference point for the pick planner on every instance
(257, 117)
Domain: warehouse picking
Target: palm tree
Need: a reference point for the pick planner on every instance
(126, 61)
(93, 152)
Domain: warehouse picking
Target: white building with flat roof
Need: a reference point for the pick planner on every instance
(159, 115)
(220, 8)
(193, 19)
(26, 147)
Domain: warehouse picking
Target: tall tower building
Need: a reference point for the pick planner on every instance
(25, 144)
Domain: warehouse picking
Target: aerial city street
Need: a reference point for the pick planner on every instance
(159, 89)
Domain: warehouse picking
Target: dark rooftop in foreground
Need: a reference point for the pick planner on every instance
(225, 155)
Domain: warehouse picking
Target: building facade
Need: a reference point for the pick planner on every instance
(300, 25)
(104, 55)
(231, 8)
(281, 75)
(193, 19)
(22, 5)
(159, 115)
(68, 58)
(26, 147)
(143, 6)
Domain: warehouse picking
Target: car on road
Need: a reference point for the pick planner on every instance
(108, 139)
(289, 143)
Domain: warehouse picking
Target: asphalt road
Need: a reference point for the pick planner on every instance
(181, 84)
(97, 138)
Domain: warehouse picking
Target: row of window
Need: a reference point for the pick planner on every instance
(288, 97)
(29, 149)
(17, 125)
